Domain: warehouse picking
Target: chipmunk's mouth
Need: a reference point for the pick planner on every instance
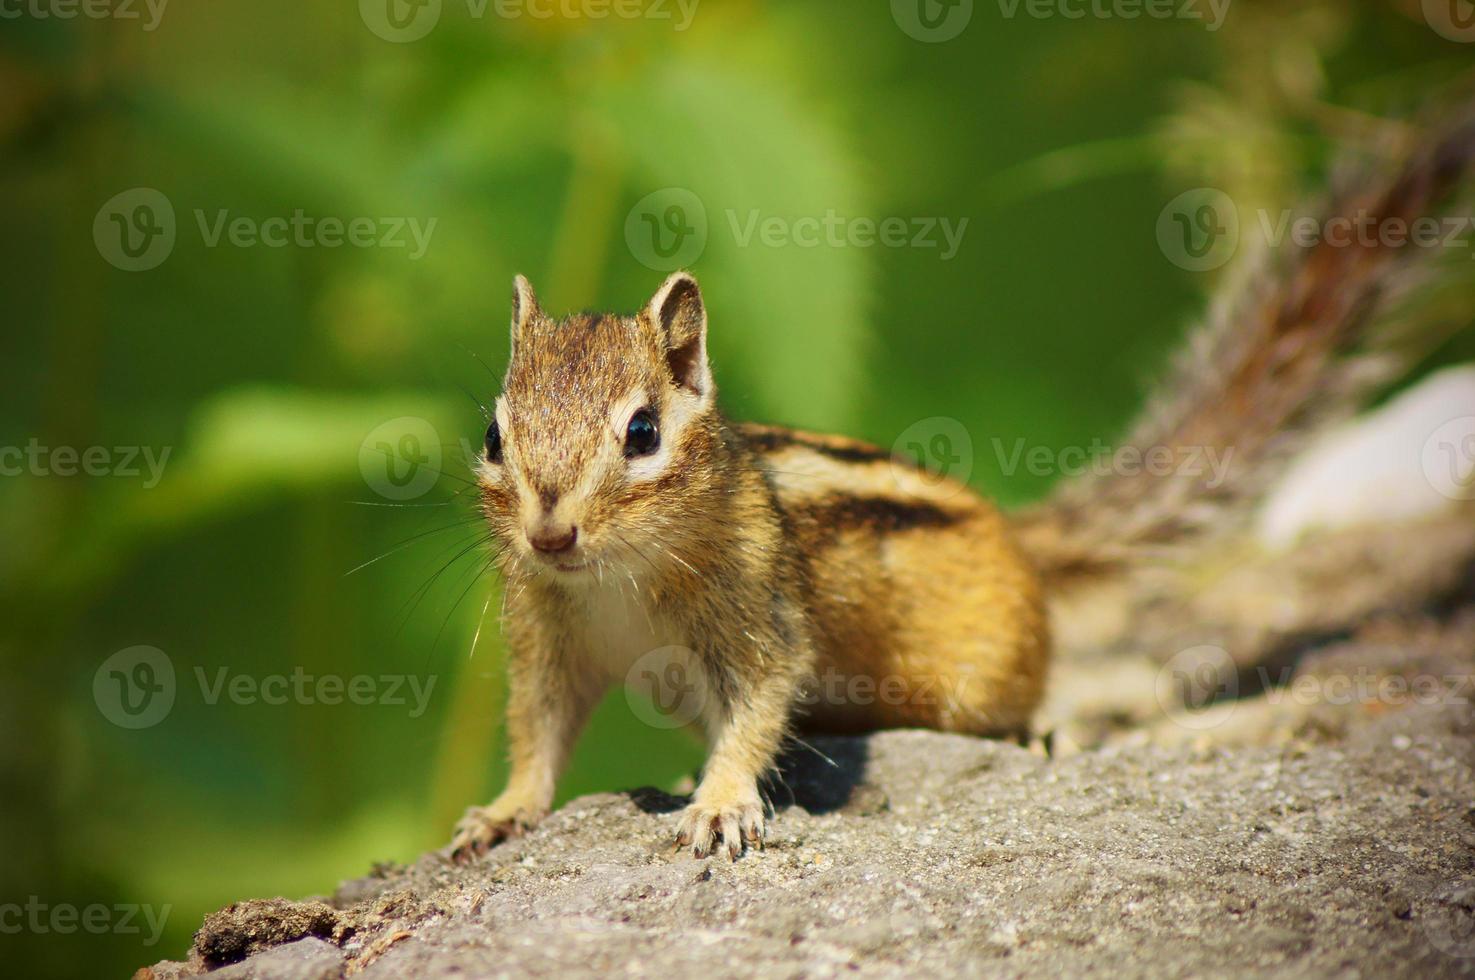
(567, 564)
(561, 566)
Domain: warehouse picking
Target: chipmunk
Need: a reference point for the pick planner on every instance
(634, 521)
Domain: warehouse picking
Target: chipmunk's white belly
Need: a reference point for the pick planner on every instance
(619, 630)
(638, 649)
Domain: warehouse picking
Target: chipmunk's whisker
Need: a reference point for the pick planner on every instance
(407, 542)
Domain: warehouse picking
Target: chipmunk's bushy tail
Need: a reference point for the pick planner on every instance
(1301, 339)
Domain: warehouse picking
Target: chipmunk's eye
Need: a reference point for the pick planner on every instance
(494, 443)
(641, 437)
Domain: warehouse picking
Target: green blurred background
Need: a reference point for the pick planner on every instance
(532, 142)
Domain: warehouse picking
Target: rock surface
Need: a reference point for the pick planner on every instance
(1311, 835)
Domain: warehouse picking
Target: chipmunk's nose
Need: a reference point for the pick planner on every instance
(551, 539)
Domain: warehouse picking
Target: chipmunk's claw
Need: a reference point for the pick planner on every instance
(706, 828)
(480, 830)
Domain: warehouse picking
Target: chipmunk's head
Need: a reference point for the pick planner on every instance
(600, 434)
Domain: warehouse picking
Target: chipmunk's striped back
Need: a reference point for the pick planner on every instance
(924, 611)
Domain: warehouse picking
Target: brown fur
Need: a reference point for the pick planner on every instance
(924, 611)
(804, 582)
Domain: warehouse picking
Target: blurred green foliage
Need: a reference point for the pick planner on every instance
(528, 141)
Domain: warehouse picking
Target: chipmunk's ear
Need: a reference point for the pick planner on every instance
(524, 307)
(680, 316)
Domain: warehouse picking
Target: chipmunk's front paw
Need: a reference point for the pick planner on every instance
(731, 825)
(483, 828)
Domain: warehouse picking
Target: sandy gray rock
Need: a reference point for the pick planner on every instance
(1343, 845)
(303, 959)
